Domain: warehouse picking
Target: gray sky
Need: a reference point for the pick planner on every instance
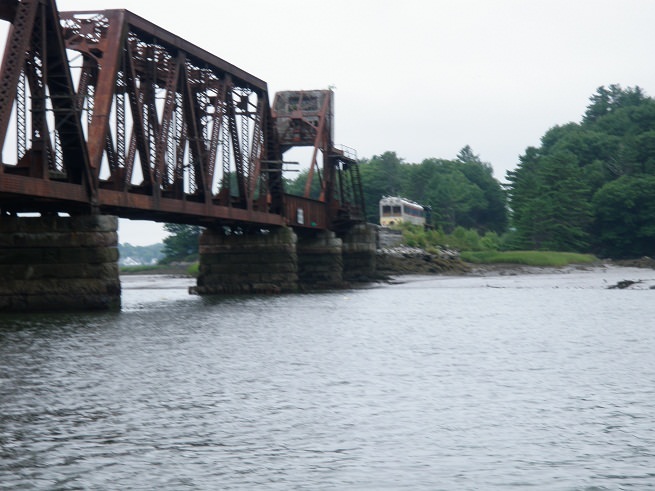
(423, 78)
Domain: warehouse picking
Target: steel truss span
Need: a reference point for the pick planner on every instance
(106, 112)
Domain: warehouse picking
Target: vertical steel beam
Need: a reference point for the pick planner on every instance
(140, 140)
(18, 41)
(166, 119)
(108, 66)
(236, 148)
(194, 136)
(254, 164)
(217, 124)
(68, 126)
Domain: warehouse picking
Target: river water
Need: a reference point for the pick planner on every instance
(542, 381)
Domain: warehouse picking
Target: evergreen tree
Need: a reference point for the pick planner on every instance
(551, 190)
(454, 199)
(609, 99)
(382, 175)
(182, 244)
(297, 185)
(625, 217)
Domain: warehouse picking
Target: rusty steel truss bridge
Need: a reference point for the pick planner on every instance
(105, 112)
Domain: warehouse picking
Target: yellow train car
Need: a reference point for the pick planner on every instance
(395, 210)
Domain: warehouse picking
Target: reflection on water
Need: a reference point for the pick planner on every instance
(543, 381)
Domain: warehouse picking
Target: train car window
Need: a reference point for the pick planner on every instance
(397, 210)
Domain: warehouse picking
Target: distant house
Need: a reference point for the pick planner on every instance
(128, 261)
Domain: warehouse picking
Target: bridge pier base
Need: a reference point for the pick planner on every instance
(320, 263)
(247, 262)
(53, 263)
(359, 252)
(279, 261)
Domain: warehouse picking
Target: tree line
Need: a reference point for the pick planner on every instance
(590, 186)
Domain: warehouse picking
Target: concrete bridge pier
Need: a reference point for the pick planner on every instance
(320, 261)
(53, 263)
(359, 247)
(247, 262)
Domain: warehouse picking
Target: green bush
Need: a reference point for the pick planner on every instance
(194, 269)
(460, 239)
(487, 248)
(491, 242)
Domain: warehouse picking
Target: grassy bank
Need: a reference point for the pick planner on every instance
(528, 258)
(175, 269)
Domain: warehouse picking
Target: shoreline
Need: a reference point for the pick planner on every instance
(411, 260)
(401, 267)
(615, 276)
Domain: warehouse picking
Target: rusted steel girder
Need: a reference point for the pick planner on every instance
(113, 114)
(162, 112)
(158, 127)
(306, 119)
(35, 56)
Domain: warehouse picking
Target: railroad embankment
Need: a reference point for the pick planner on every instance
(412, 260)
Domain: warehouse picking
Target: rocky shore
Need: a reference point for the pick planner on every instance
(402, 260)
(412, 260)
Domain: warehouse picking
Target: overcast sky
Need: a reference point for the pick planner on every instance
(424, 78)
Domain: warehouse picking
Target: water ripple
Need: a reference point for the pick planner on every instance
(431, 384)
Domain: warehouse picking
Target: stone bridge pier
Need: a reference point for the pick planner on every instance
(320, 260)
(283, 260)
(55, 263)
(247, 262)
(359, 248)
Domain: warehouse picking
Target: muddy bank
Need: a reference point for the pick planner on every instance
(643, 262)
(408, 260)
